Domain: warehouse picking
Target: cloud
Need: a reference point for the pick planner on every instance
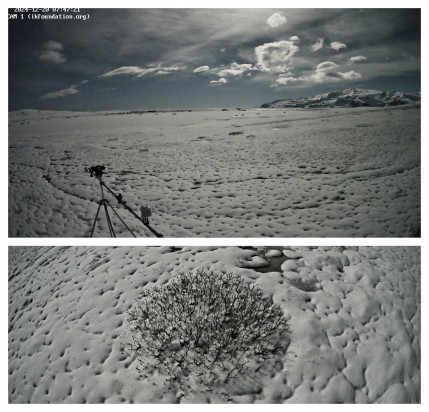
(60, 93)
(337, 45)
(141, 71)
(236, 70)
(326, 66)
(285, 79)
(166, 70)
(172, 69)
(128, 70)
(53, 45)
(51, 53)
(219, 82)
(356, 59)
(351, 75)
(201, 69)
(318, 45)
(294, 38)
(276, 20)
(323, 72)
(275, 57)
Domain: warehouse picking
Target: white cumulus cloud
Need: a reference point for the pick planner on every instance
(328, 72)
(60, 93)
(275, 57)
(318, 45)
(51, 52)
(325, 71)
(351, 75)
(219, 82)
(326, 66)
(236, 69)
(356, 59)
(201, 69)
(285, 79)
(276, 20)
(337, 45)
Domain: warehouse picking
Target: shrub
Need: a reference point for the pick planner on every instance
(205, 326)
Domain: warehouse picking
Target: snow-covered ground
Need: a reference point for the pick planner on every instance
(354, 315)
(261, 172)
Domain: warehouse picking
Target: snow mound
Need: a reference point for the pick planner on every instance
(349, 98)
(354, 315)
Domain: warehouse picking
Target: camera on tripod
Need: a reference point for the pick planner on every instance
(95, 171)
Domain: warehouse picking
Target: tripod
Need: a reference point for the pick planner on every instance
(97, 172)
(105, 203)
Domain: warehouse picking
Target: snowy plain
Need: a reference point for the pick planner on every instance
(261, 172)
(354, 314)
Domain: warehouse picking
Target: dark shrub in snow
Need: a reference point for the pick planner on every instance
(205, 326)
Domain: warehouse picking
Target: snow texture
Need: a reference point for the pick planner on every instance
(234, 173)
(354, 314)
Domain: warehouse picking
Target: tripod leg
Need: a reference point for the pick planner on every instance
(109, 222)
(119, 217)
(95, 220)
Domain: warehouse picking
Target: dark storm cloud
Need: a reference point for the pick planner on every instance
(143, 52)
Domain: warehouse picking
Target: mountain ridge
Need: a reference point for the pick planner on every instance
(348, 98)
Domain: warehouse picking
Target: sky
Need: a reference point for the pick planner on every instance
(144, 59)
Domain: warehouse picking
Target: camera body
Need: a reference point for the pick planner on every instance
(95, 171)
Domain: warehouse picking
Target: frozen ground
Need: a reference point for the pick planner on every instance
(354, 315)
(260, 172)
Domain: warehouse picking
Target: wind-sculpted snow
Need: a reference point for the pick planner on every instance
(354, 317)
(282, 173)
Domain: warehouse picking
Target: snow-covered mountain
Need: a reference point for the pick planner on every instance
(349, 98)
